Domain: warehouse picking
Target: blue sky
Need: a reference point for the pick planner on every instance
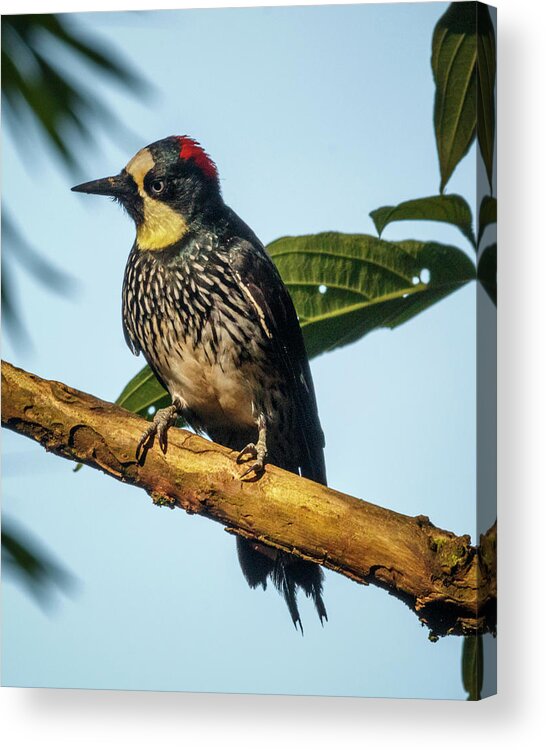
(314, 116)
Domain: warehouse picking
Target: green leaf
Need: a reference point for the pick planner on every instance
(454, 54)
(487, 271)
(142, 393)
(488, 214)
(346, 285)
(472, 666)
(11, 308)
(106, 59)
(33, 89)
(451, 209)
(487, 68)
(25, 559)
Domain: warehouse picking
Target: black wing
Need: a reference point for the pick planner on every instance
(260, 281)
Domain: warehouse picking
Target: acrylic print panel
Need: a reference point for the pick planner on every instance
(356, 162)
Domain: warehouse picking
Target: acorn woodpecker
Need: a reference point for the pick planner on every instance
(204, 303)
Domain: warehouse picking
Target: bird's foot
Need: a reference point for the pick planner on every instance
(163, 419)
(257, 451)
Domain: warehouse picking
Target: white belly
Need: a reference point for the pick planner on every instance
(218, 394)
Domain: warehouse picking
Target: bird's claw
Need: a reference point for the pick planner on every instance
(146, 440)
(258, 452)
(250, 448)
(257, 467)
(163, 419)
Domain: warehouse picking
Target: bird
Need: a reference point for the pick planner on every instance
(204, 303)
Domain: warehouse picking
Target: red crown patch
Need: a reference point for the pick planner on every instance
(190, 149)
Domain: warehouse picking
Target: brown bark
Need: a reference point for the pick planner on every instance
(450, 584)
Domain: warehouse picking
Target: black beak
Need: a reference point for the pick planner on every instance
(117, 186)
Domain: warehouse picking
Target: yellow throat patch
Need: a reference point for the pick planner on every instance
(161, 226)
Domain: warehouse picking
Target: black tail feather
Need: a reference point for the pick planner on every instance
(286, 584)
(309, 577)
(256, 567)
(287, 572)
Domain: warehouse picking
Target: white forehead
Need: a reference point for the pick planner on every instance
(140, 165)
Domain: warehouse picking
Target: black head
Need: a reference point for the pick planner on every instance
(166, 187)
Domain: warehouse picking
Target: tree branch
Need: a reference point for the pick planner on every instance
(448, 583)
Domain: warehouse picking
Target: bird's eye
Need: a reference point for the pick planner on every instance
(157, 186)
